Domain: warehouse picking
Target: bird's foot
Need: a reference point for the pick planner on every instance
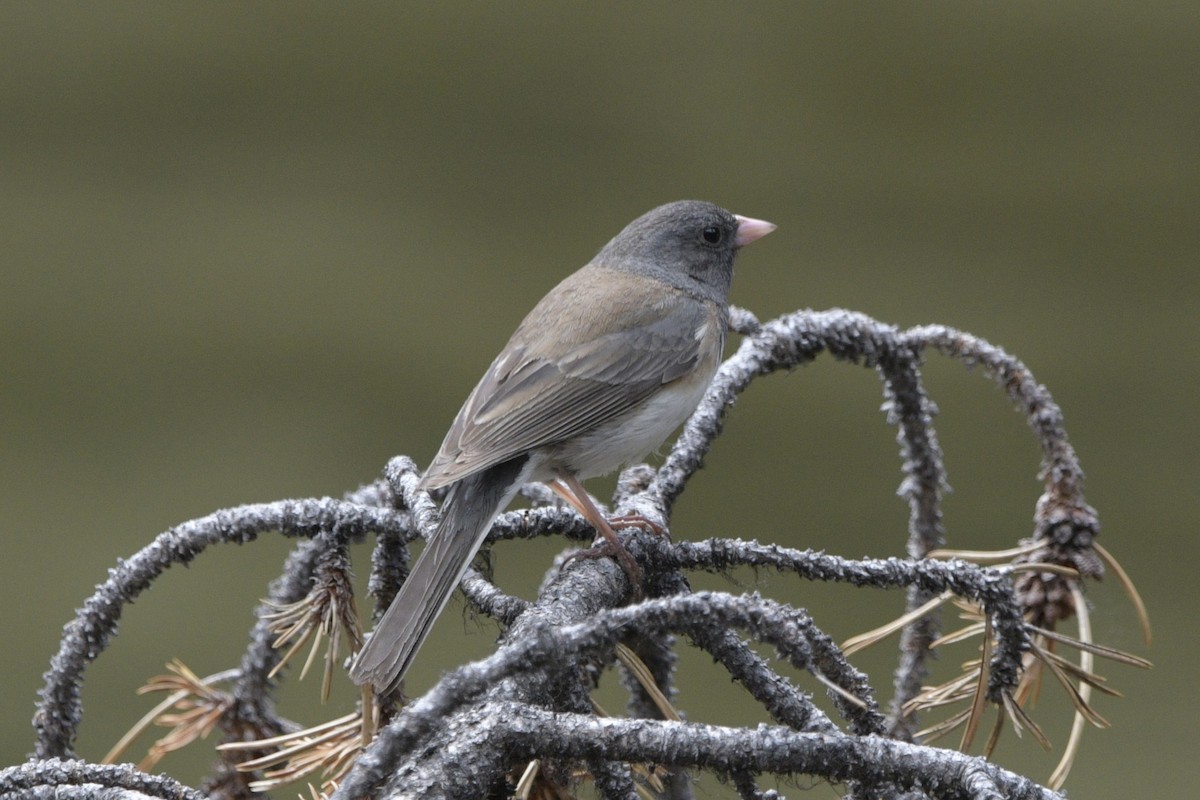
(612, 548)
(626, 521)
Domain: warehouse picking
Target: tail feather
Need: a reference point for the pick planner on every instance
(467, 514)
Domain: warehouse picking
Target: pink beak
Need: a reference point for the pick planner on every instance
(750, 230)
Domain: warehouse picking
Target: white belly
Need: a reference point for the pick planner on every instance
(630, 437)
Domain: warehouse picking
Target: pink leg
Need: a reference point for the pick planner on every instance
(637, 521)
(570, 489)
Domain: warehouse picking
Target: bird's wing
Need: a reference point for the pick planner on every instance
(542, 390)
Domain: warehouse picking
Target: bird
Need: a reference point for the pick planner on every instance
(602, 370)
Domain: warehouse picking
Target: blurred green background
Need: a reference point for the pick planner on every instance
(250, 251)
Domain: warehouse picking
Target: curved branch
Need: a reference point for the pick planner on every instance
(1063, 519)
(872, 760)
(542, 646)
(61, 778)
(86, 636)
(990, 587)
(781, 344)
(911, 411)
(531, 698)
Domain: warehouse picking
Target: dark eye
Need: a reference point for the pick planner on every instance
(711, 234)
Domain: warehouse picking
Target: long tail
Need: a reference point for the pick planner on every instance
(467, 514)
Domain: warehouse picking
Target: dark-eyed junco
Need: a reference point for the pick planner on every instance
(598, 374)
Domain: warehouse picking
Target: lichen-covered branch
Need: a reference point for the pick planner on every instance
(87, 636)
(991, 588)
(477, 730)
(874, 761)
(70, 779)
